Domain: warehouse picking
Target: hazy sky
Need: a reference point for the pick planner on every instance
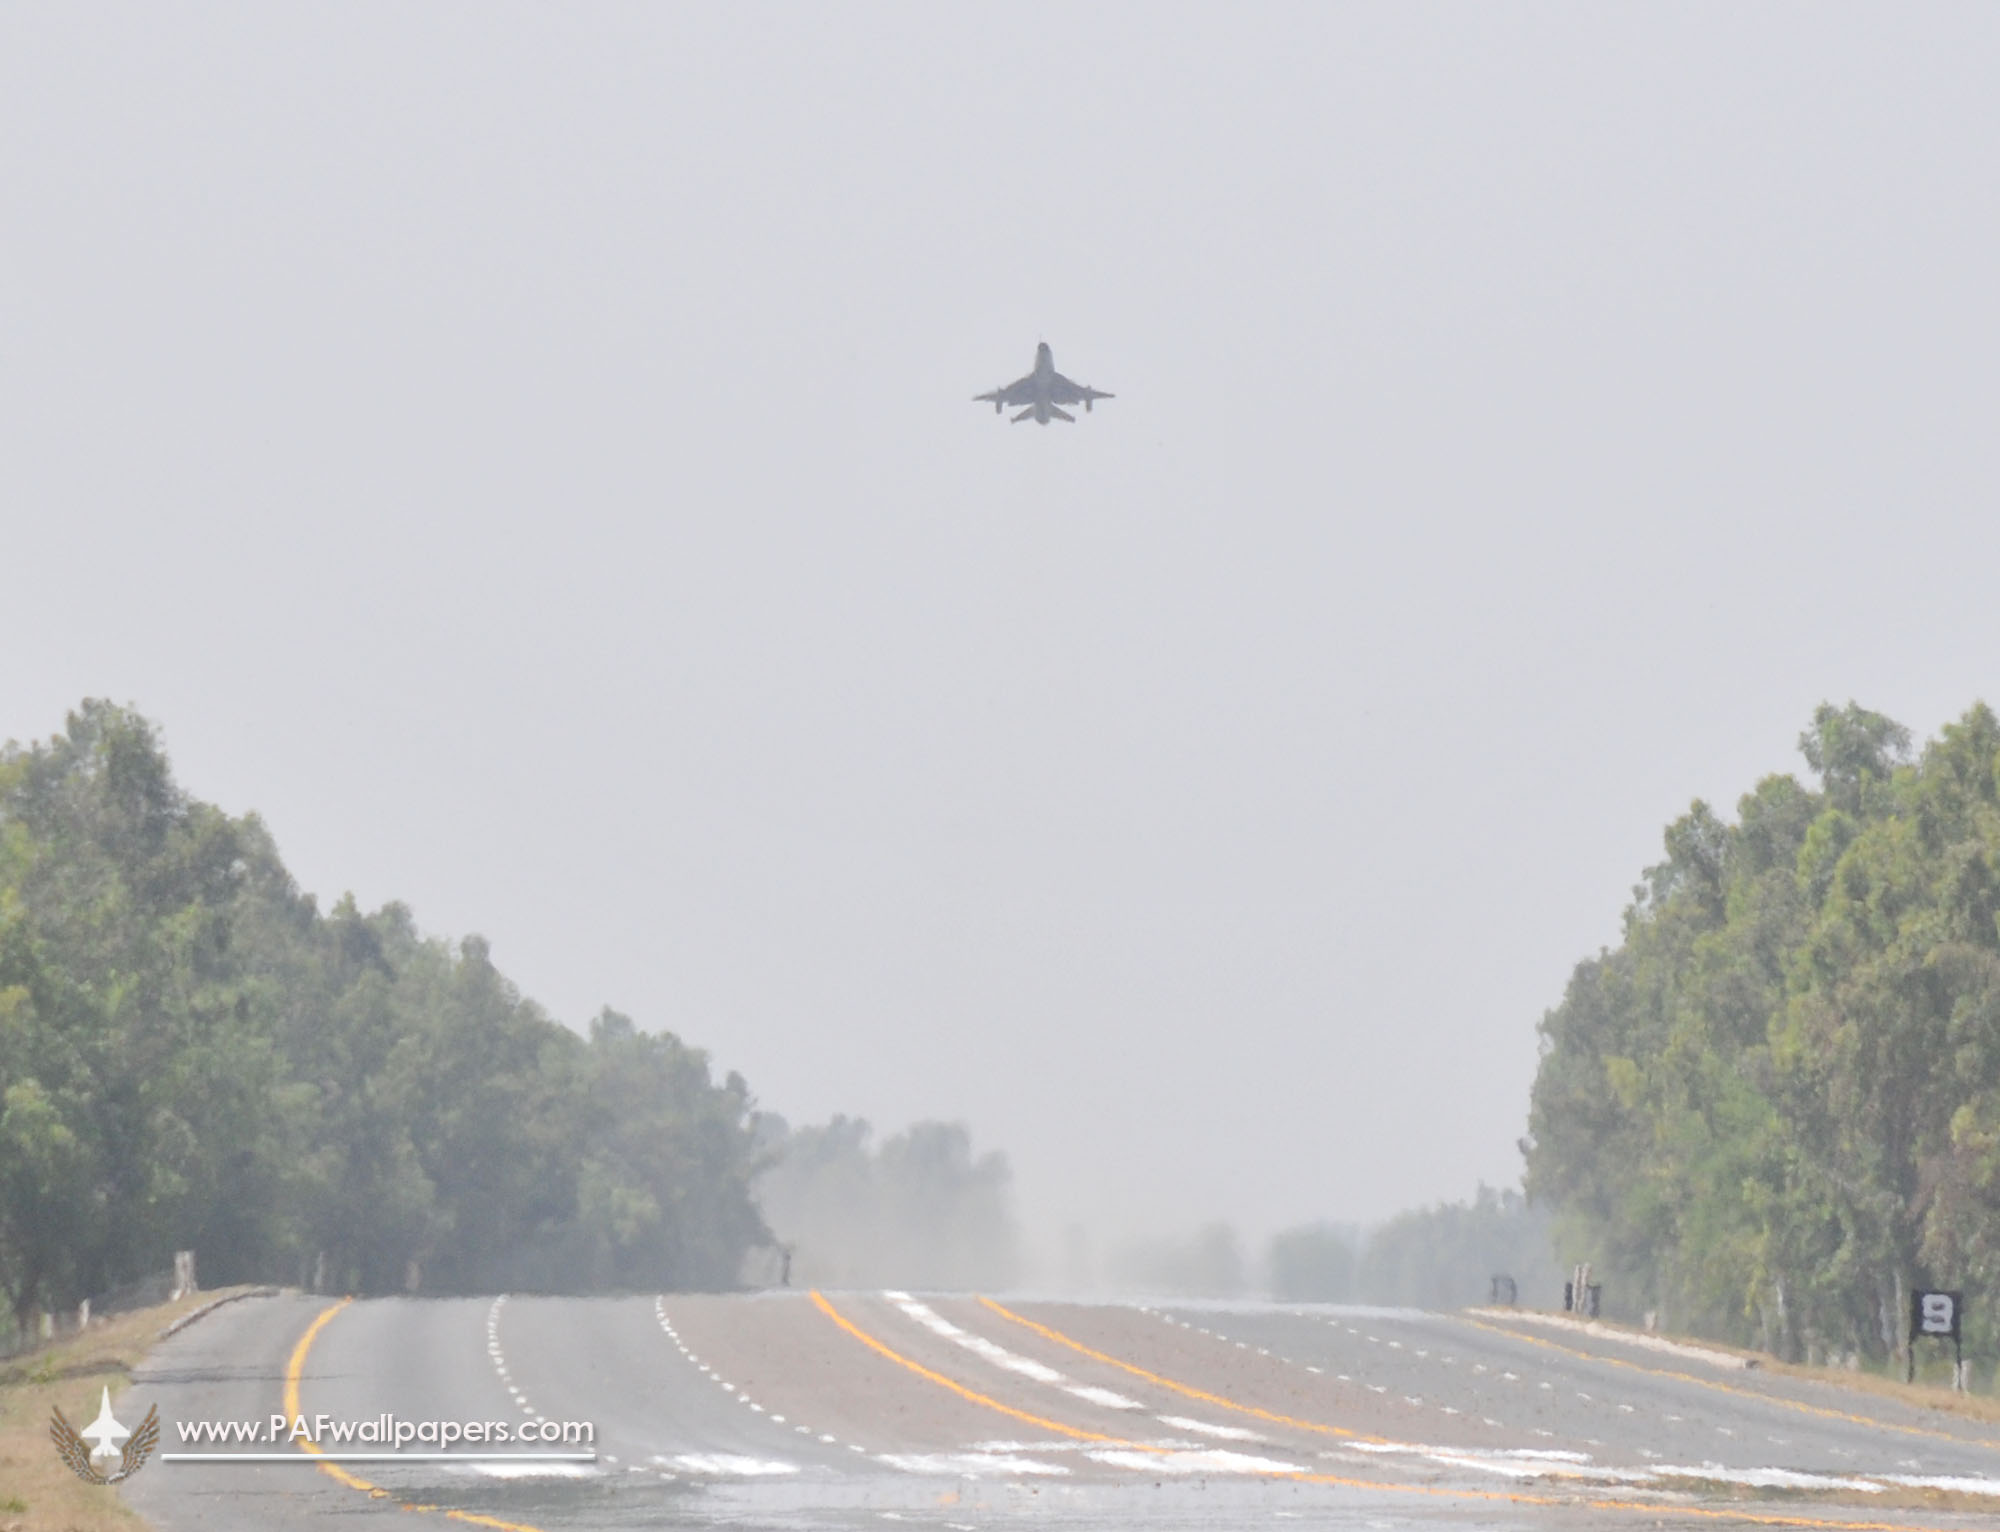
(525, 452)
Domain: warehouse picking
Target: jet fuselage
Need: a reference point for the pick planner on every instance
(1043, 392)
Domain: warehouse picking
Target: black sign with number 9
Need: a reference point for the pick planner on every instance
(1935, 1313)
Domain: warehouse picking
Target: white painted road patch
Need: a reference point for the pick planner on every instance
(1213, 1460)
(973, 1464)
(1000, 1356)
(729, 1465)
(527, 1470)
(1208, 1428)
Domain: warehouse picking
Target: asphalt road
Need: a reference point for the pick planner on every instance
(851, 1409)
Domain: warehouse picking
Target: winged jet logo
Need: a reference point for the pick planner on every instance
(105, 1431)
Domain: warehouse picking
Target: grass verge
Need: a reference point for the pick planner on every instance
(1938, 1395)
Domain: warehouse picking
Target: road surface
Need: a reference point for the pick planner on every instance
(844, 1410)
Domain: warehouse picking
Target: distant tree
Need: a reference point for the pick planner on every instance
(1312, 1264)
(1207, 1264)
(950, 1210)
(923, 1211)
(1445, 1257)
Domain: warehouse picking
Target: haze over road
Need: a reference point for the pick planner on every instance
(525, 452)
(957, 1412)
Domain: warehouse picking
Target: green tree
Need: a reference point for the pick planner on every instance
(1773, 1108)
(192, 1055)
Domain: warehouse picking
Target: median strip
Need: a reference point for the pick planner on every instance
(1075, 1433)
(1185, 1389)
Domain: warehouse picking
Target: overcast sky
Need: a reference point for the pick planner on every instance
(525, 452)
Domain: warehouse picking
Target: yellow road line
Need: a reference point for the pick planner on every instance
(293, 1372)
(1076, 1433)
(1180, 1388)
(1515, 1497)
(295, 1369)
(1728, 1388)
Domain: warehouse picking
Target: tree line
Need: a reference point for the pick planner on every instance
(1773, 1110)
(194, 1055)
(919, 1210)
(1440, 1257)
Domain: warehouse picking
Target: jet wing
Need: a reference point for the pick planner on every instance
(1063, 391)
(1020, 391)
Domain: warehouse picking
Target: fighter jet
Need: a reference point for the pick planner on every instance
(1043, 391)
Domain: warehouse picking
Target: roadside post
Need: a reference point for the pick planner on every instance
(1935, 1313)
(1578, 1291)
